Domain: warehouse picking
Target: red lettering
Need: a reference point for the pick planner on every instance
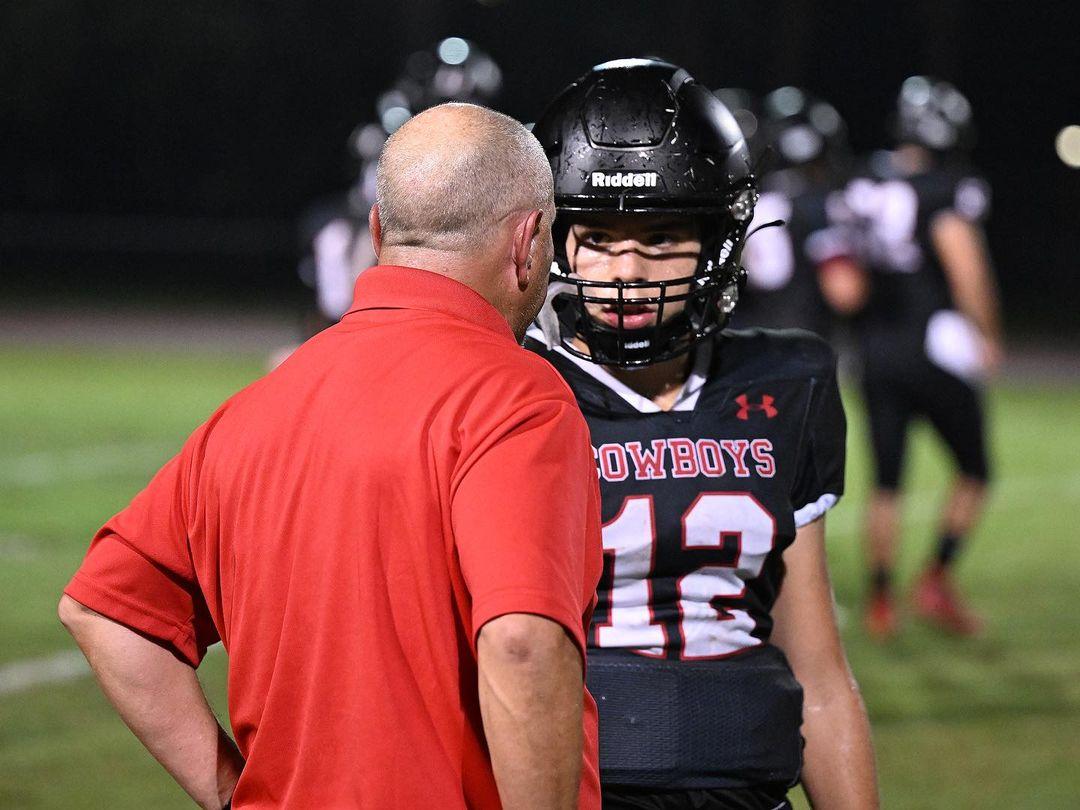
(710, 459)
(648, 464)
(683, 458)
(765, 464)
(613, 464)
(736, 448)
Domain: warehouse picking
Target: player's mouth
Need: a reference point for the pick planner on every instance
(634, 316)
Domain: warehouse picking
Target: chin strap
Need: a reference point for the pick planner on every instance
(547, 319)
(776, 223)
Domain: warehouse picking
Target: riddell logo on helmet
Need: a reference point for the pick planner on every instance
(623, 179)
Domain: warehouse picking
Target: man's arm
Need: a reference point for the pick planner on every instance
(162, 702)
(838, 771)
(530, 681)
(962, 250)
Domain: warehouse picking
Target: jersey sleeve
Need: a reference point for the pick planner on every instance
(139, 571)
(526, 519)
(819, 482)
(955, 191)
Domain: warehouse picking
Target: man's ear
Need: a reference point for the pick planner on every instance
(375, 229)
(527, 230)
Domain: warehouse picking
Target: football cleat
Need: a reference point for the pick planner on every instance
(936, 601)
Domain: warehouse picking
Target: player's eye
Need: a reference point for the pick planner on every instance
(593, 237)
(658, 238)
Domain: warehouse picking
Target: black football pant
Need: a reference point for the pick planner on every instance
(619, 797)
(894, 397)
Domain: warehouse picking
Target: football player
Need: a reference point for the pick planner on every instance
(930, 335)
(802, 273)
(336, 238)
(714, 641)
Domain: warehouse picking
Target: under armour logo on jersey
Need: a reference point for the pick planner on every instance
(745, 406)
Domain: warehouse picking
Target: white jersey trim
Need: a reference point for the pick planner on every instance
(685, 401)
(812, 511)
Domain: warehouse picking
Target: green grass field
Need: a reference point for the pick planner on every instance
(989, 723)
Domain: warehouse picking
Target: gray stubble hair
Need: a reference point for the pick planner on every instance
(445, 187)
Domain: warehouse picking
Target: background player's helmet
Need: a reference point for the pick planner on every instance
(803, 128)
(932, 113)
(455, 69)
(642, 136)
(746, 107)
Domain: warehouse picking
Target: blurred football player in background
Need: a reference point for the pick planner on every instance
(718, 452)
(930, 335)
(335, 231)
(800, 274)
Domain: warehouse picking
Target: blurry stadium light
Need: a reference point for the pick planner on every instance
(394, 117)
(1068, 146)
(787, 100)
(453, 50)
(825, 118)
(916, 91)
(389, 100)
(800, 143)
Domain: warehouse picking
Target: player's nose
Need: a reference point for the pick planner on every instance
(628, 262)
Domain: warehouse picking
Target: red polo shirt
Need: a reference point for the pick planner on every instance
(345, 526)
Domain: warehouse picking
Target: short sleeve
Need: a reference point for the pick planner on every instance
(526, 519)
(139, 571)
(819, 482)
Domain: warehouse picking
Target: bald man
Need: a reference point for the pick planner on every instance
(368, 529)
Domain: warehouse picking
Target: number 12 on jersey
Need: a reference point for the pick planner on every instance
(735, 526)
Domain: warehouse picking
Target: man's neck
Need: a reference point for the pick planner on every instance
(469, 270)
(660, 382)
(444, 262)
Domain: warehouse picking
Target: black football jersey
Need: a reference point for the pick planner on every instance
(782, 262)
(895, 214)
(699, 504)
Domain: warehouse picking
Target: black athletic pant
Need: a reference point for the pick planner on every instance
(897, 395)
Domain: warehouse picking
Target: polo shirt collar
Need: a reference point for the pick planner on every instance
(394, 287)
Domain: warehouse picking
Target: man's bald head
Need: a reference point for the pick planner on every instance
(449, 174)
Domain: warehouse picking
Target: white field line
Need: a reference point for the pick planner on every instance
(18, 547)
(80, 463)
(61, 667)
(69, 665)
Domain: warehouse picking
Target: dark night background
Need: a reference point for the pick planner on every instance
(165, 150)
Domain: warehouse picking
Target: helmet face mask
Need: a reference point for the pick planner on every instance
(685, 307)
(642, 137)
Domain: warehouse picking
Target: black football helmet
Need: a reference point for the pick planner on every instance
(932, 113)
(455, 69)
(642, 136)
(803, 128)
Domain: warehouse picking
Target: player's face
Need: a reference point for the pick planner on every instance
(634, 247)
